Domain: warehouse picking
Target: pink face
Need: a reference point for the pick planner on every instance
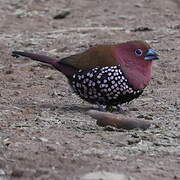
(136, 53)
(135, 58)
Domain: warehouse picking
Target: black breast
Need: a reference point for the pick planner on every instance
(103, 85)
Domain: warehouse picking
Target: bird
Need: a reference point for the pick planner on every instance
(105, 75)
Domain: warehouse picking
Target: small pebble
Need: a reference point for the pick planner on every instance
(49, 77)
(17, 173)
(43, 139)
(140, 29)
(62, 14)
(2, 172)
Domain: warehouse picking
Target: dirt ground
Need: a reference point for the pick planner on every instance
(45, 132)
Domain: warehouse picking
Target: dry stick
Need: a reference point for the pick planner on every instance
(109, 119)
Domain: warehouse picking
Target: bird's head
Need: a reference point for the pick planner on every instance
(136, 59)
(136, 53)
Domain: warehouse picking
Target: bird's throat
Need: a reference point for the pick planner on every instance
(137, 77)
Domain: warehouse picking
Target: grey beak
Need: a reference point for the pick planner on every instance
(151, 55)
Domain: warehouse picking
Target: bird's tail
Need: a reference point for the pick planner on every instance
(64, 68)
(36, 57)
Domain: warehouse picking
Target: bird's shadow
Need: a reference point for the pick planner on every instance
(58, 107)
(68, 108)
(77, 108)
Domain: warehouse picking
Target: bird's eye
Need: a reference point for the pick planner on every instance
(138, 52)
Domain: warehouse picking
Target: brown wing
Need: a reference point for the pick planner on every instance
(101, 56)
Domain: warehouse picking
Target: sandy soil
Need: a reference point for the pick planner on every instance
(44, 130)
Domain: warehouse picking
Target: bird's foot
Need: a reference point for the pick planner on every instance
(118, 108)
(110, 108)
(102, 108)
(121, 109)
(105, 108)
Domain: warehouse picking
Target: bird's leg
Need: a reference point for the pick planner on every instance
(105, 108)
(110, 108)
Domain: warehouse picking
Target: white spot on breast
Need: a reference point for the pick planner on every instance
(99, 94)
(85, 95)
(131, 91)
(117, 94)
(124, 92)
(95, 96)
(93, 84)
(102, 85)
(91, 97)
(94, 90)
(89, 84)
(90, 92)
(78, 85)
(85, 88)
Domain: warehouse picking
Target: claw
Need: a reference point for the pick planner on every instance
(102, 108)
(121, 109)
